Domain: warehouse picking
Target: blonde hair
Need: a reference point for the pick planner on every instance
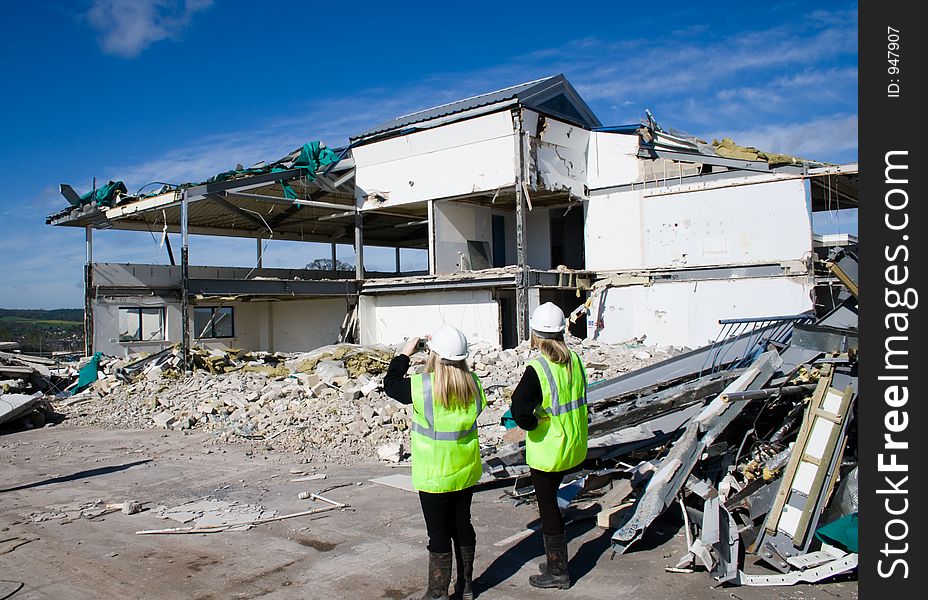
(455, 386)
(556, 350)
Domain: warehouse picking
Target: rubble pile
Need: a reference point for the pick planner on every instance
(751, 440)
(25, 381)
(327, 404)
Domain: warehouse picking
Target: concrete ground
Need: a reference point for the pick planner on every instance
(374, 550)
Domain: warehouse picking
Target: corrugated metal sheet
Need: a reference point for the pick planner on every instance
(550, 95)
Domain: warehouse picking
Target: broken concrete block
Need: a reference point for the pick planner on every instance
(367, 413)
(131, 507)
(369, 387)
(164, 419)
(642, 355)
(391, 452)
(351, 395)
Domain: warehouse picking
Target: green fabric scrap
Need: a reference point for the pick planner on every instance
(312, 156)
(841, 533)
(88, 373)
(105, 195)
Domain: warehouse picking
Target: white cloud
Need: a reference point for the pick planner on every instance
(128, 28)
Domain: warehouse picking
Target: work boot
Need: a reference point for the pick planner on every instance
(439, 576)
(463, 587)
(555, 574)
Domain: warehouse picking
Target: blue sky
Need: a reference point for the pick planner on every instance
(178, 90)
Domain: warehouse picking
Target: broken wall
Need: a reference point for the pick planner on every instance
(687, 313)
(612, 159)
(392, 318)
(467, 157)
(734, 224)
(456, 223)
(557, 155)
(106, 324)
(284, 326)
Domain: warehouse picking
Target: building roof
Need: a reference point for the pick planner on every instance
(552, 96)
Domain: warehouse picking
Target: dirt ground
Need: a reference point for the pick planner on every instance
(375, 549)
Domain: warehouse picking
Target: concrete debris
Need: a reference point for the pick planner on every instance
(210, 512)
(325, 405)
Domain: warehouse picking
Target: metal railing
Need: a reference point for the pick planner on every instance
(741, 340)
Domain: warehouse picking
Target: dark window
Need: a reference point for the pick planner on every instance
(213, 322)
(499, 240)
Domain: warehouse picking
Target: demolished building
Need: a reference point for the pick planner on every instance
(518, 196)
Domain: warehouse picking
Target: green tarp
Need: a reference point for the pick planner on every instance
(88, 373)
(103, 196)
(312, 156)
(841, 533)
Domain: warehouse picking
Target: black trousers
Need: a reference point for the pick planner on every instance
(546, 486)
(447, 519)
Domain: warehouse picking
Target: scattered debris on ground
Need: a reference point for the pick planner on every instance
(327, 405)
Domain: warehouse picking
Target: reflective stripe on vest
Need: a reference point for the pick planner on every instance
(428, 411)
(557, 408)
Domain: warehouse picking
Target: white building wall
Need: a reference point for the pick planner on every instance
(452, 160)
(741, 224)
(612, 159)
(391, 319)
(687, 313)
(290, 326)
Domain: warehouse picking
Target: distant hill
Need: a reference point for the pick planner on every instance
(44, 331)
(34, 314)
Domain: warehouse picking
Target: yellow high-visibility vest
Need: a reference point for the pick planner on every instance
(445, 448)
(559, 442)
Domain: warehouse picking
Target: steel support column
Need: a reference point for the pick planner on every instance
(185, 283)
(398, 271)
(521, 251)
(359, 246)
(260, 258)
(88, 293)
(432, 262)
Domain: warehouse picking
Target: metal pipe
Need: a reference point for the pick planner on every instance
(788, 390)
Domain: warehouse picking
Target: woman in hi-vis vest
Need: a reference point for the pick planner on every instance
(446, 400)
(550, 404)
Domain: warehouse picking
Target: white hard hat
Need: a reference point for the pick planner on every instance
(449, 343)
(548, 319)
